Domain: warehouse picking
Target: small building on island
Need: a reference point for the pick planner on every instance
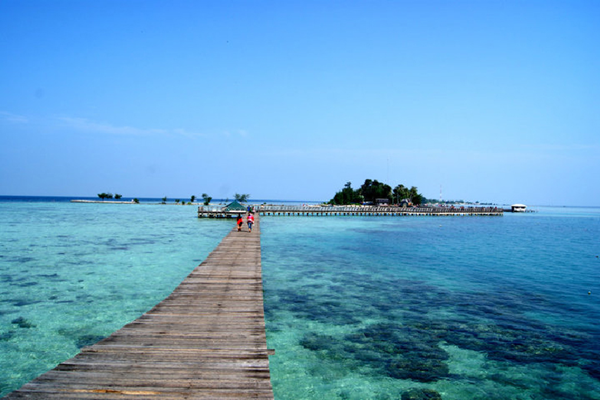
(405, 203)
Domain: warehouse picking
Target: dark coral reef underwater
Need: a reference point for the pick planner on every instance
(416, 317)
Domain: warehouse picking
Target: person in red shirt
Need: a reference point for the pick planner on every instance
(250, 221)
(240, 222)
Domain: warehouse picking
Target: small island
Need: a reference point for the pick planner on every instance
(373, 192)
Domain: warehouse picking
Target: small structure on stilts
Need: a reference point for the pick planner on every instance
(229, 211)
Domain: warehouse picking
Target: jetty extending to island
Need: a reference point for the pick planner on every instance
(205, 341)
(280, 210)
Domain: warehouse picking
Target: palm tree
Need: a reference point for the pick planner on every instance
(242, 198)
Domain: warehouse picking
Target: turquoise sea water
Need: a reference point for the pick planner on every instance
(357, 307)
(469, 307)
(71, 274)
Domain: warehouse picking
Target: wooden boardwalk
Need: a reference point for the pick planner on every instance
(205, 341)
(365, 211)
(373, 211)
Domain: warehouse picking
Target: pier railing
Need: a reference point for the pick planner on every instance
(298, 210)
(375, 210)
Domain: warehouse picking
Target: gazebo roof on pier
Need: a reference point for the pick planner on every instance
(235, 206)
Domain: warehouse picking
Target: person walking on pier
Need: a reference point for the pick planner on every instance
(240, 222)
(250, 221)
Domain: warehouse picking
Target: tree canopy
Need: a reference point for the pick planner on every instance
(105, 195)
(372, 190)
(401, 192)
(242, 198)
(347, 196)
(207, 199)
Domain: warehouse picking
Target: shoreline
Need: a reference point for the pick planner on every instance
(131, 202)
(104, 201)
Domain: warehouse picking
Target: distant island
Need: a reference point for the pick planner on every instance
(206, 199)
(375, 192)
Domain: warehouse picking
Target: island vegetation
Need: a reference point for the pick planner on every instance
(370, 192)
(373, 192)
(103, 196)
(206, 199)
(242, 198)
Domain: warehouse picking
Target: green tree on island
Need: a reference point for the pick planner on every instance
(401, 192)
(164, 200)
(207, 199)
(108, 196)
(118, 196)
(242, 198)
(347, 196)
(192, 199)
(415, 196)
(372, 190)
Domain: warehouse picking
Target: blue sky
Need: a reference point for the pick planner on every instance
(493, 101)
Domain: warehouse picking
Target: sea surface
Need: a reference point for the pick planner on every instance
(357, 307)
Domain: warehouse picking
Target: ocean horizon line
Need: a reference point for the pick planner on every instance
(157, 199)
(64, 198)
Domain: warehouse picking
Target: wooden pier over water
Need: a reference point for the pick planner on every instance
(205, 341)
(277, 210)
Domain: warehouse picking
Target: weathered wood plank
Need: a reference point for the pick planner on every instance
(205, 340)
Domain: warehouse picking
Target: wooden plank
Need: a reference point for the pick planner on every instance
(206, 340)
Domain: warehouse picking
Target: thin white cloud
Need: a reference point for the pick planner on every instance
(13, 118)
(85, 125)
(238, 132)
(562, 147)
(435, 155)
(348, 153)
(183, 132)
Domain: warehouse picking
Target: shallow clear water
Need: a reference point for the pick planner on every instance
(471, 307)
(357, 307)
(71, 274)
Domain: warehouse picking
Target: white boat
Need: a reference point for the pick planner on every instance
(518, 208)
